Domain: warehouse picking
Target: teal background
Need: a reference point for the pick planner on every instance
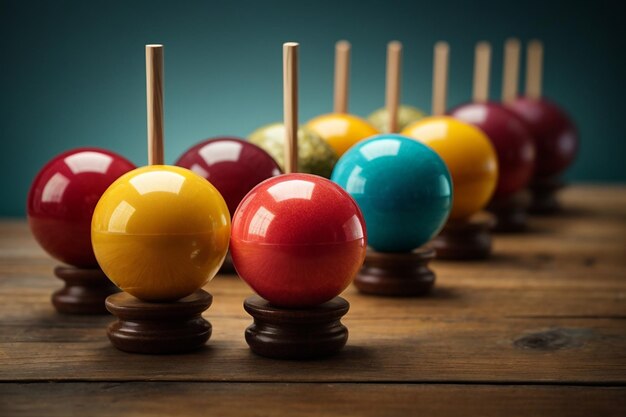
(72, 72)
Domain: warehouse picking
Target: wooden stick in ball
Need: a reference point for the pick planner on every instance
(392, 90)
(482, 63)
(154, 96)
(510, 78)
(440, 78)
(534, 69)
(290, 105)
(342, 76)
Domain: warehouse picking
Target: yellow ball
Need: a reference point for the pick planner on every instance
(469, 155)
(341, 131)
(160, 232)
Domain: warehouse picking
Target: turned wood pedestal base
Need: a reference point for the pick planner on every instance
(544, 196)
(296, 333)
(396, 274)
(84, 292)
(465, 239)
(157, 328)
(511, 213)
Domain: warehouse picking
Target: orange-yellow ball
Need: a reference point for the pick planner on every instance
(469, 155)
(341, 131)
(160, 232)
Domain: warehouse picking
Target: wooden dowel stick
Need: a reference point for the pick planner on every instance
(482, 64)
(510, 78)
(154, 98)
(342, 76)
(534, 69)
(440, 78)
(290, 105)
(392, 90)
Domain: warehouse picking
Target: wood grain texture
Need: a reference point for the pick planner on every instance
(482, 68)
(549, 310)
(302, 400)
(290, 105)
(510, 71)
(534, 69)
(392, 85)
(154, 103)
(342, 77)
(440, 78)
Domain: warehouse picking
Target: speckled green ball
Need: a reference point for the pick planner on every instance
(315, 156)
(406, 115)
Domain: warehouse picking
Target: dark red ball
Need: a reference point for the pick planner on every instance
(63, 197)
(556, 136)
(234, 166)
(510, 137)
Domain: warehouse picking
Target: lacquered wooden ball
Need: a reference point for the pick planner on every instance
(406, 115)
(403, 188)
(511, 139)
(555, 135)
(469, 156)
(234, 166)
(160, 232)
(62, 199)
(341, 130)
(298, 240)
(315, 155)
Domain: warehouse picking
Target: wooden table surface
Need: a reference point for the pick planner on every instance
(539, 329)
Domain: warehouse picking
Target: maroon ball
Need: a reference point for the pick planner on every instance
(234, 166)
(63, 197)
(556, 137)
(510, 137)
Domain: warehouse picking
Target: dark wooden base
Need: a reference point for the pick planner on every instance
(282, 333)
(396, 274)
(84, 292)
(511, 213)
(544, 196)
(465, 239)
(157, 328)
(227, 267)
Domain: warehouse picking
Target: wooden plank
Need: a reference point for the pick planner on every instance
(300, 400)
(549, 308)
(406, 349)
(26, 299)
(589, 238)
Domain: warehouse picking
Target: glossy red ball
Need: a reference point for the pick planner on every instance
(298, 240)
(63, 197)
(555, 135)
(234, 166)
(511, 139)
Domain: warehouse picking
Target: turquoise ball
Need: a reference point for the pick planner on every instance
(402, 187)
